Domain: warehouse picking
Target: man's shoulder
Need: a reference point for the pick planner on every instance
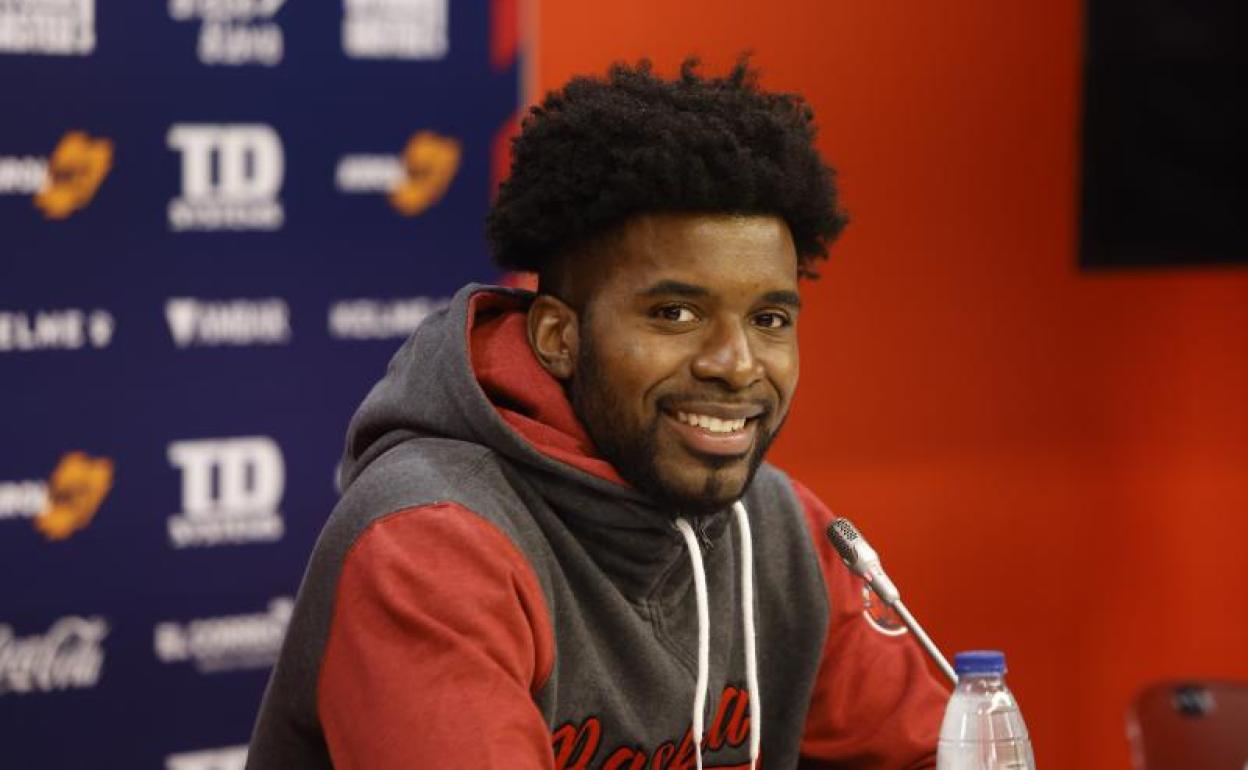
(422, 473)
(420, 467)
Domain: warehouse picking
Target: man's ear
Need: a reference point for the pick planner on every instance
(554, 335)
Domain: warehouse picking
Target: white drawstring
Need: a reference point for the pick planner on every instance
(747, 625)
(704, 632)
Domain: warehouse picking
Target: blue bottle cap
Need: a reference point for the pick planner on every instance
(979, 662)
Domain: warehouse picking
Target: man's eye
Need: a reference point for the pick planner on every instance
(675, 314)
(772, 320)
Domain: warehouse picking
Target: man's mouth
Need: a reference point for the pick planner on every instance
(713, 429)
(713, 424)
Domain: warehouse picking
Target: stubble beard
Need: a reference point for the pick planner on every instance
(636, 458)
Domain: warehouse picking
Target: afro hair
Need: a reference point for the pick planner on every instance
(602, 150)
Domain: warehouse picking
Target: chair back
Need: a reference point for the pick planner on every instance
(1189, 726)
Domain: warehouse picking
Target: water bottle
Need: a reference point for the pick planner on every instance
(983, 728)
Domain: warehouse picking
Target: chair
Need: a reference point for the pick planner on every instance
(1189, 726)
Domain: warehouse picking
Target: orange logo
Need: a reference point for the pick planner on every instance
(75, 171)
(77, 488)
(429, 162)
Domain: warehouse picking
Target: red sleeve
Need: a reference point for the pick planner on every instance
(440, 638)
(875, 705)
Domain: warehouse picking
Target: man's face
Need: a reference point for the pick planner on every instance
(687, 356)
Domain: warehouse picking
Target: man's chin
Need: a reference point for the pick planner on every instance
(704, 492)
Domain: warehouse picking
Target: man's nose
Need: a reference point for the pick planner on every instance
(727, 356)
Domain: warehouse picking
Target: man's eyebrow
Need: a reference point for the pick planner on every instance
(678, 288)
(783, 297)
(681, 289)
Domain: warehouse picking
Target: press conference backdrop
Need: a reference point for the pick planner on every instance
(218, 220)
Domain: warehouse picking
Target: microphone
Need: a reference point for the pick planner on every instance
(863, 560)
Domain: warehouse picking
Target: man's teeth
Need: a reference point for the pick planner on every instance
(713, 424)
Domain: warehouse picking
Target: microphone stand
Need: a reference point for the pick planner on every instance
(862, 560)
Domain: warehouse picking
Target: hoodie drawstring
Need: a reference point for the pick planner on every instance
(704, 632)
(747, 627)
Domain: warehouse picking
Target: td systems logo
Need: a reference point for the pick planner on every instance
(231, 490)
(231, 177)
(414, 180)
(63, 183)
(69, 500)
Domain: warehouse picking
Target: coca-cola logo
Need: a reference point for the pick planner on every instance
(70, 656)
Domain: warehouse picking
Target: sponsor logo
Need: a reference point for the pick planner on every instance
(70, 656)
(66, 503)
(879, 615)
(226, 643)
(22, 499)
(51, 27)
(76, 170)
(64, 182)
(229, 758)
(374, 319)
(231, 490)
(64, 329)
(395, 29)
(413, 181)
(196, 322)
(22, 175)
(231, 177)
(75, 492)
(234, 32)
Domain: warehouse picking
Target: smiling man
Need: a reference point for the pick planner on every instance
(683, 356)
(558, 545)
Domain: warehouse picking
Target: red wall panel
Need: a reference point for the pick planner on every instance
(1052, 462)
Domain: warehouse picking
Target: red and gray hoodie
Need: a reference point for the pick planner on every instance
(488, 593)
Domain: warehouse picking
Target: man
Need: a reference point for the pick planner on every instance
(557, 545)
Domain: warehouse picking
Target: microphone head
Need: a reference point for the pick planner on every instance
(844, 536)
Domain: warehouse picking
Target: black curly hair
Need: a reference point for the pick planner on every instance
(602, 150)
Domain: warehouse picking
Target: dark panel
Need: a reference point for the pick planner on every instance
(1163, 134)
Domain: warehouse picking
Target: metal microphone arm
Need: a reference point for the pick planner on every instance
(925, 641)
(862, 560)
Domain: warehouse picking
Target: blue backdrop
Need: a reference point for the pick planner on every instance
(217, 222)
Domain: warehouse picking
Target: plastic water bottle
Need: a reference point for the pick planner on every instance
(983, 728)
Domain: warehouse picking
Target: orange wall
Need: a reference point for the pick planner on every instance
(1053, 462)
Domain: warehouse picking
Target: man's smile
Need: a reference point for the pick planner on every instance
(708, 428)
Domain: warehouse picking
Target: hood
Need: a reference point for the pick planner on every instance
(468, 373)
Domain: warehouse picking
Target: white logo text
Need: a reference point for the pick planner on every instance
(231, 177)
(70, 656)
(236, 322)
(65, 329)
(372, 319)
(52, 27)
(395, 29)
(227, 643)
(231, 490)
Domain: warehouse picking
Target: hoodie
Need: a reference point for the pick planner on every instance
(490, 593)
